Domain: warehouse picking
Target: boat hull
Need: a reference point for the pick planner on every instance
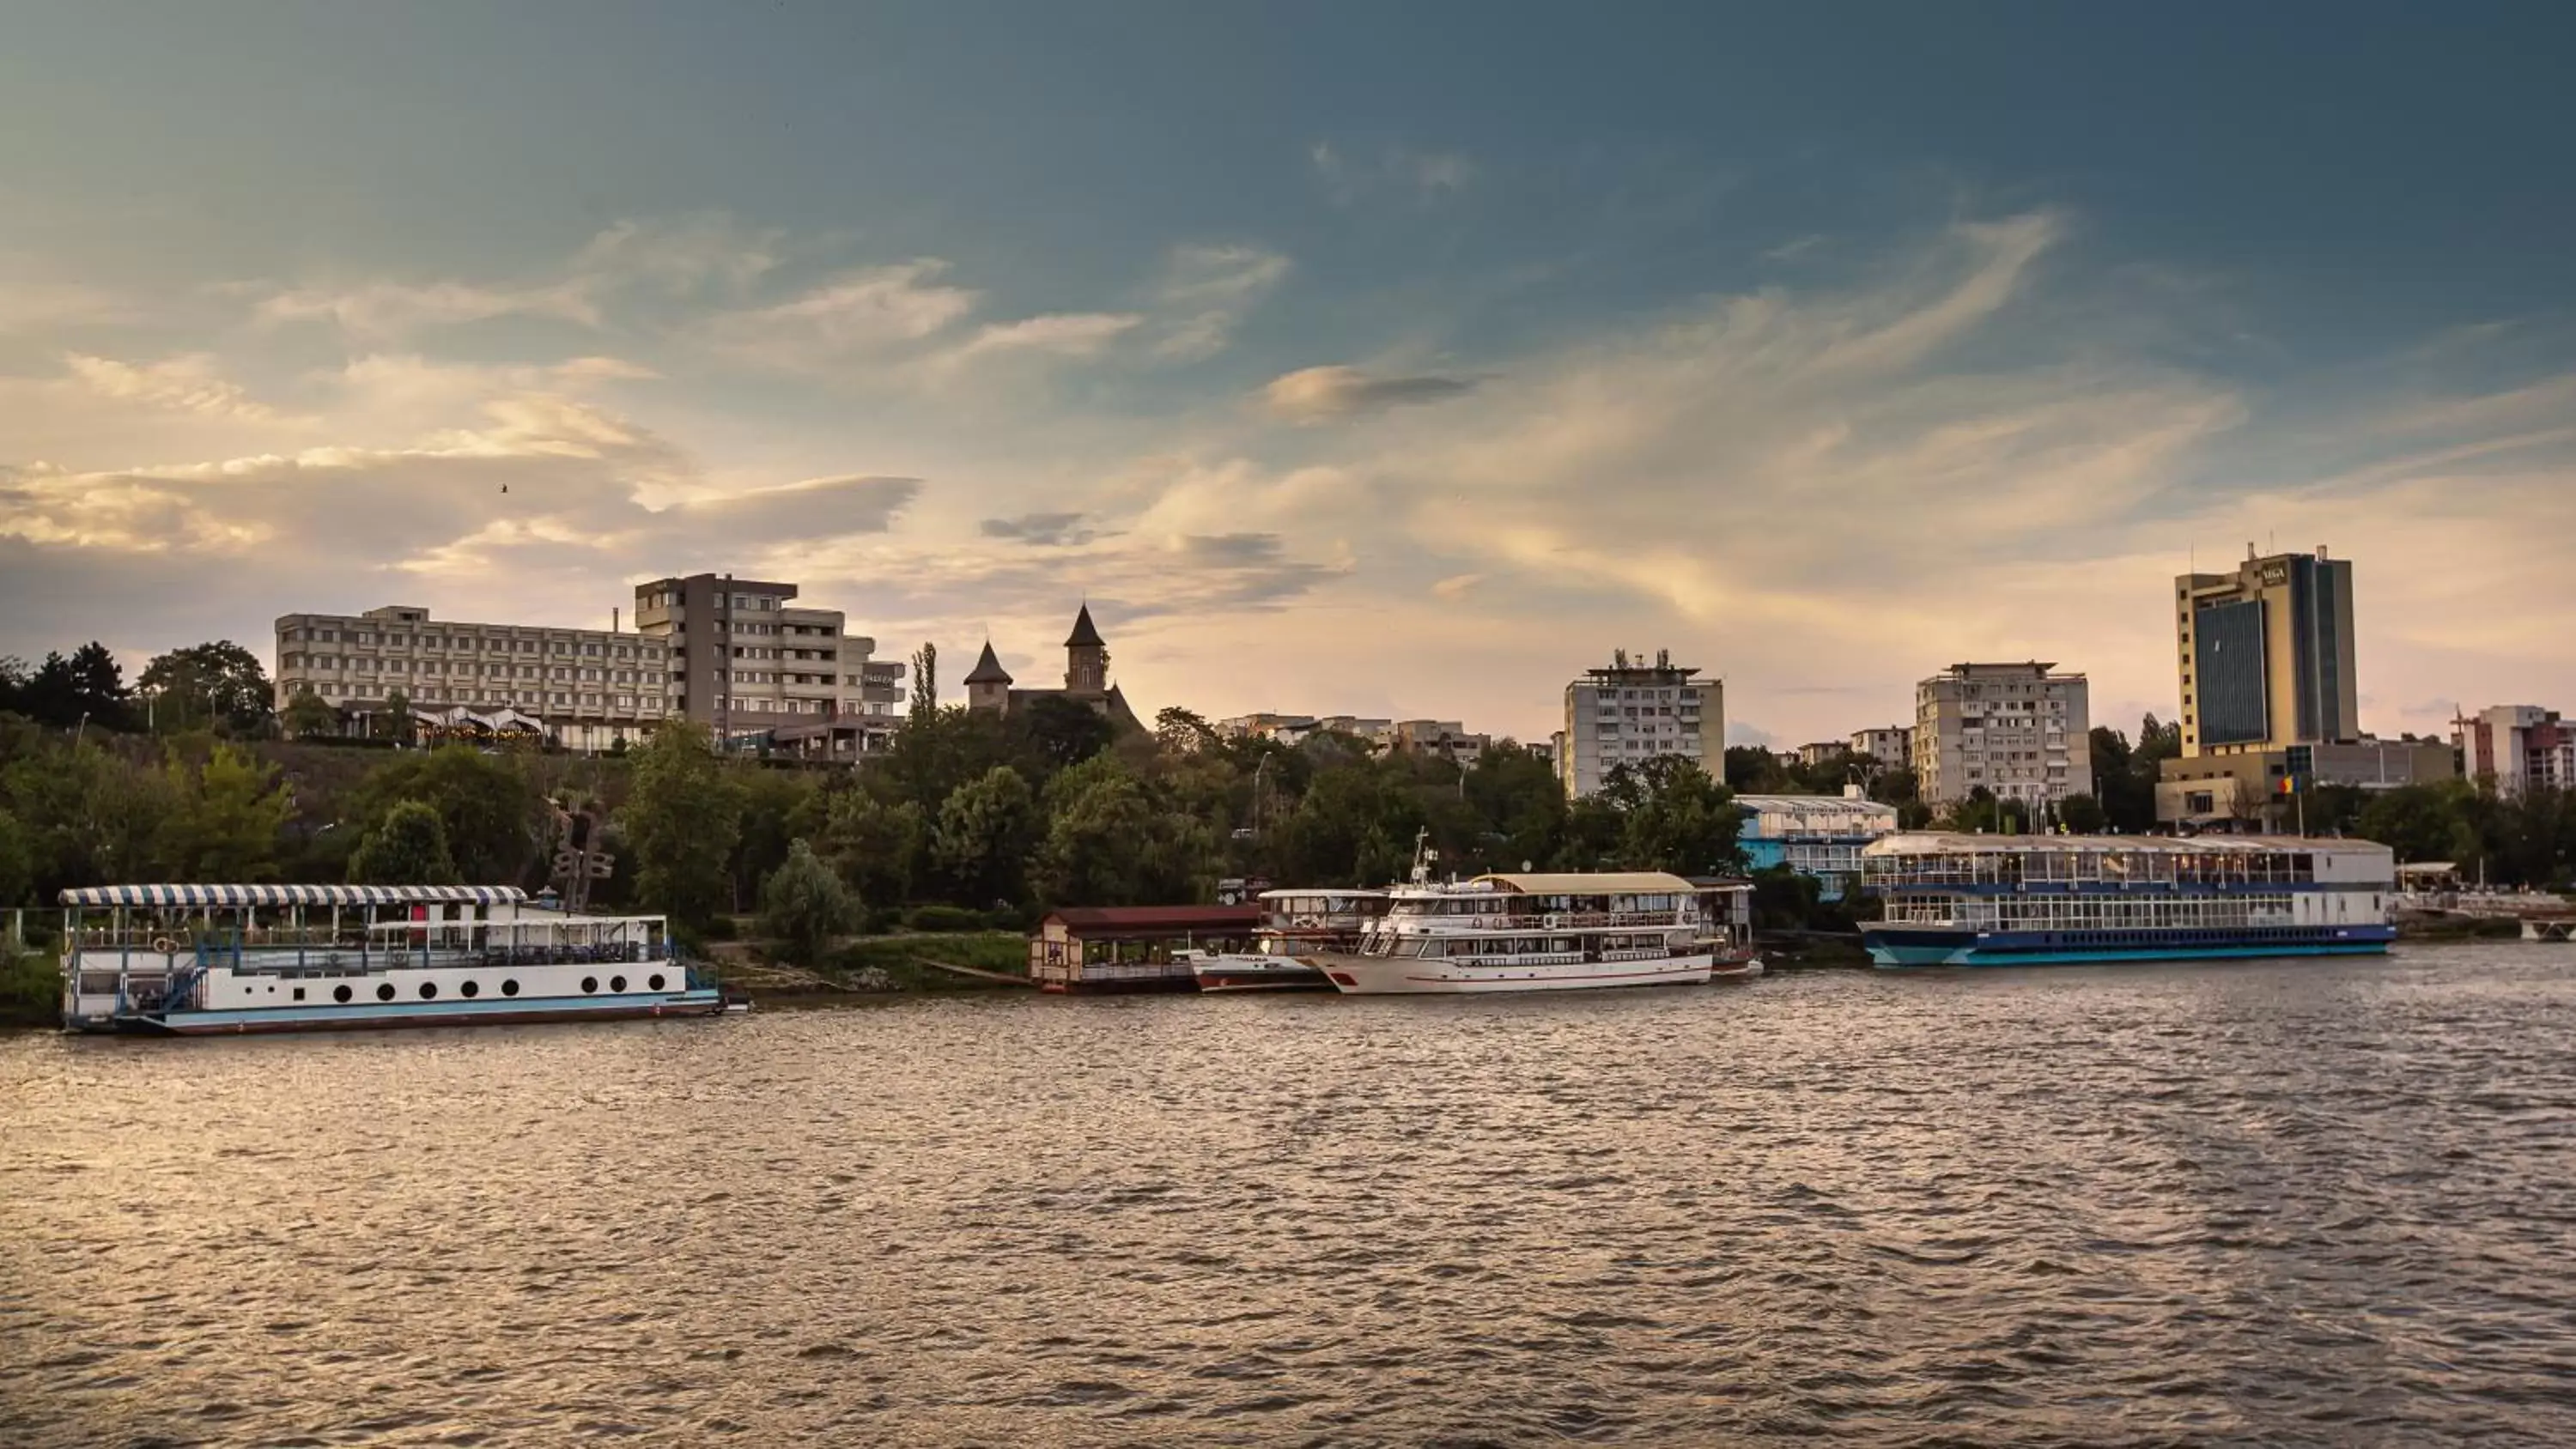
(377, 1016)
(1896, 949)
(1416, 976)
(1260, 973)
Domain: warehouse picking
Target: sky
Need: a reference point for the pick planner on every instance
(1389, 360)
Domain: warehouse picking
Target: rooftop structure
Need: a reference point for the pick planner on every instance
(1631, 712)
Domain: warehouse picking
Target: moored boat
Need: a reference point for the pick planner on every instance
(1296, 926)
(1527, 931)
(2023, 900)
(221, 959)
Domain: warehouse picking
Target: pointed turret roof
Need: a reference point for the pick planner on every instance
(989, 670)
(1084, 635)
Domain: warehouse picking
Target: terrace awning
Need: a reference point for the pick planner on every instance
(291, 895)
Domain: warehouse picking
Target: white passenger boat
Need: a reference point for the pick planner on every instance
(1296, 926)
(201, 959)
(1528, 932)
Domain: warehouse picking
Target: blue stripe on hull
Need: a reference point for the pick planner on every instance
(699, 1002)
(1898, 959)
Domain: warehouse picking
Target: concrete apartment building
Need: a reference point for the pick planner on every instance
(749, 664)
(585, 688)
(2266, 655)
(2022, 731)
(1892, 746)
(2519, 746)
(1632, 712)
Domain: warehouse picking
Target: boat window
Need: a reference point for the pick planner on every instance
(589, 985)
(470, 989)
(428, 989)
(340, 993)
(655, 982)
(617, 983)
(299, 993)
(510, 988)
(385, 992)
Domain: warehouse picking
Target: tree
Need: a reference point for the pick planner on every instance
(486, 806)
(925, 682)
(935, 754)
(985, 831)
(2082, 814)
(1179, 731)
(230, 811)
(803, 905)
(682, 817)
(307, 717)
(17, 860)
(219, 686)
(1677, 818)
(772, 804)
(880, 849)
(2423, 822)
(1112, 843)
(1061, 732)
(408, 848)
(396, 724)
(1753, 770)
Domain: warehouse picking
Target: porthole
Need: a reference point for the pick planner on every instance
(428, 989)
(470, 989)
(510, 987)
(616, 983)
(655, 982)
(339, 993)
(385, 992)
(589, 984)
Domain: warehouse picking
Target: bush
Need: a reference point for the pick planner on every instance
(943, 918)
(31, 986)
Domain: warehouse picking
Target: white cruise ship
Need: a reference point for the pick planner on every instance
(1527, 932)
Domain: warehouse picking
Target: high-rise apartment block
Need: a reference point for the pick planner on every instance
(2266, 655)
(1630, 713)
(744, 660)
(587, 688)
(2021, 731)
(1892, 746)
(2520, 747)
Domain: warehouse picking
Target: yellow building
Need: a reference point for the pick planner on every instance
(2265, 655)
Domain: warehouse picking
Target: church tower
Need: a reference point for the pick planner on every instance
(989, 685)
(1086, 658)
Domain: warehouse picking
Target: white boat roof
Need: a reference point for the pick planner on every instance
(1949, 843)
(1607, 883)
(291, 895)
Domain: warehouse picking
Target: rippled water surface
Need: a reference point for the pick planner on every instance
(2300, 1203)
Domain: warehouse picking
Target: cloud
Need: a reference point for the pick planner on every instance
(859, 314)
(191, 384)
(1320, 394)
(1060, 334)
(386, 311)
(1204, 294)
(1457, 586)
(705, 254)
(1040, 529)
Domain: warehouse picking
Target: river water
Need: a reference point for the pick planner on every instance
(2296, 1203)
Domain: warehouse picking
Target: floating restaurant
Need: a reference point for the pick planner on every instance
(1134, 948)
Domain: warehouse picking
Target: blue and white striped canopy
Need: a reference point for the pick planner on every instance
(291, 895)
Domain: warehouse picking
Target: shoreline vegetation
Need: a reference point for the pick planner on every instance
(929, 862)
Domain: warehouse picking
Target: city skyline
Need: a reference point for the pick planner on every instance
(1335, 375)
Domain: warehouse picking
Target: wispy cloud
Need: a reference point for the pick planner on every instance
(1039, 529)
(193, 383)
(1321, 394)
